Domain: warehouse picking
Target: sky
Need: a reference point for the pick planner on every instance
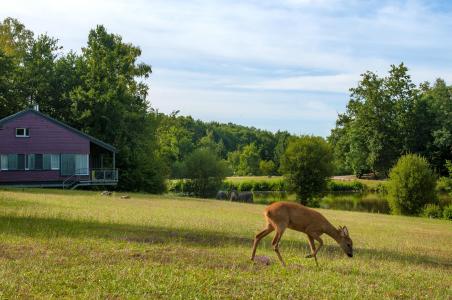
(275, 65)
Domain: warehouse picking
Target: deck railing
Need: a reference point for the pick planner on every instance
(104, 175)
(96, 175)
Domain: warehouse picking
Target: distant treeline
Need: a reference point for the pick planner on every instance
(246, 150)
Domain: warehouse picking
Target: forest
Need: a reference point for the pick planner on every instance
(103, 90)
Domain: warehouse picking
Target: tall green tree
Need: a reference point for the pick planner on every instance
(381, 123)
(111, 104)
(15, 43)
(249, 161)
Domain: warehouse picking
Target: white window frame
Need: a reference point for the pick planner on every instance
(26, 132)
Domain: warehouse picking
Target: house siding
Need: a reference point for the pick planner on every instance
(45, 137)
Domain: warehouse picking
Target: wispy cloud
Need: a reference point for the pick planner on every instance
(279, 65)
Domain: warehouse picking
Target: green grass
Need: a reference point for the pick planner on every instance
(56, 244)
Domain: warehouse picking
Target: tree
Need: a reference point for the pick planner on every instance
(383, 121)
(15, 43)
(411, 185)
(249, 161)
(267, 167)
(206, 172)
(110, 103)
(307, 165)
(438, 121)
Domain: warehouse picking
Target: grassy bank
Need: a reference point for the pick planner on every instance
(79, 244)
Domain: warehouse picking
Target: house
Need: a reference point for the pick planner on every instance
(39, 151)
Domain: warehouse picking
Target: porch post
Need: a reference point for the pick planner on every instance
(114, 160)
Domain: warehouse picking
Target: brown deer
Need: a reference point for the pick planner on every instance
(282, 215)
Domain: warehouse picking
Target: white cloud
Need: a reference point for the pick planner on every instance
(340, 83)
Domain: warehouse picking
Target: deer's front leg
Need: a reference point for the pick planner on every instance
(312, 246)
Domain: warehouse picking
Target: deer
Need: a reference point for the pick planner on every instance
(282, 215)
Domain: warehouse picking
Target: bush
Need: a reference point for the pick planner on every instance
(411, 185)
(307, 165)
(346, 186)
(447, 212)
(444, 185)
(245, 186)
(256, 185)
(432, 211)
(205, 171)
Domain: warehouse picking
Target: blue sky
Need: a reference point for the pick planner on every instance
(276, 65)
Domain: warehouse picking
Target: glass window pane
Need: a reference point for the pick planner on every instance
(38, 162)
(81, 164)
(12, 161)
(4, 162)
(67, 164)
(20, 131)
(46, 161)
(55, 161)
(31, 161)
(21, 161)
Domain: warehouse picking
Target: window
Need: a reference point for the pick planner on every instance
(4, 162)
(77, 164)
(22, 132)
(35, 162)
(81, 164)
(12, 162)
(30, 162)
(46, 161)
(43, 162)
(54, 161)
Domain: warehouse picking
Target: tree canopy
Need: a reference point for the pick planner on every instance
(390, 116)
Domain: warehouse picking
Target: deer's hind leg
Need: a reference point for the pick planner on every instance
(260, 236)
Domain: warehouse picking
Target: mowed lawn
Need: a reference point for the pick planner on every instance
(80, 244)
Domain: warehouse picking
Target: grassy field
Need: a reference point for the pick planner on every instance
(57, 244)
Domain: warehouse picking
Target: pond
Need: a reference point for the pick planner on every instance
(353, 201)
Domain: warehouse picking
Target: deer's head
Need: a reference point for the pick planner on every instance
(345, 241)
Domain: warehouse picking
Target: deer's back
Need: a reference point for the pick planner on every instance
(294, 216)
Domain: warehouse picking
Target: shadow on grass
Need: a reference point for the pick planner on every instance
(56, 227)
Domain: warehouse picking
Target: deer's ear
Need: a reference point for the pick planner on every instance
(345, 230)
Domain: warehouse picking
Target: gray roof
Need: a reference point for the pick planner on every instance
(92, 139)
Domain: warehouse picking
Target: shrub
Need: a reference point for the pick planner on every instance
(432, 211)
(256, 185)
(444, 185)
(205, 171)
(411, 185)
(346, 186)
(246, 186)
(447, 212)
(307, 165)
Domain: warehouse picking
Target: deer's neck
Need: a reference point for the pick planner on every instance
(332, 232)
